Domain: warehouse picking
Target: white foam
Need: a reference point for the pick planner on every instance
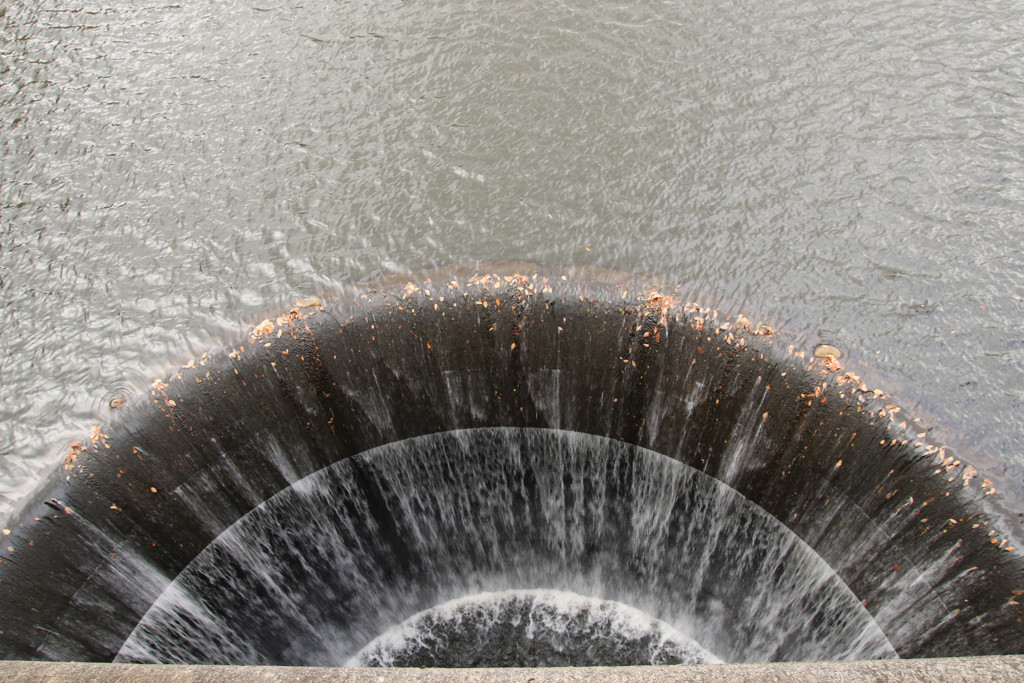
(549, 612)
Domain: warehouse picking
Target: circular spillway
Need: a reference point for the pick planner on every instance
(347, 552)
(551, 465)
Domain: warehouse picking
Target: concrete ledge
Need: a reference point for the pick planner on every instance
(1005, 668)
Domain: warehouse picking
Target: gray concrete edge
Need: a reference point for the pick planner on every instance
(1004, 668)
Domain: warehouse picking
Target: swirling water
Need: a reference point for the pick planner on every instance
(530, 628)
(169, 169)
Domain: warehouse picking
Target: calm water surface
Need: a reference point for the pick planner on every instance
(168, 170)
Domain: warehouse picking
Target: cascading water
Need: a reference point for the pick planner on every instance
(524, 467)
(345, 553)
(530, 628)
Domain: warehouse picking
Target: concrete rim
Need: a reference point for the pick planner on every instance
(998, 668)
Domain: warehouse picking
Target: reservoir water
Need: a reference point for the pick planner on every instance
(170, 169)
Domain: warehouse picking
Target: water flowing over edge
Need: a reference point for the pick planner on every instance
(418, 522)
(909, 526)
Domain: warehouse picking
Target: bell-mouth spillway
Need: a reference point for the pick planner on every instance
(376, 453)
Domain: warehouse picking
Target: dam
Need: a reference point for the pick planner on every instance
(551, 464)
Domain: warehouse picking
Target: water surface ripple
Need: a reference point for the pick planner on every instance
(169, 169)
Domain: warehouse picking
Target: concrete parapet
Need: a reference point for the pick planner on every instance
(1001, 668)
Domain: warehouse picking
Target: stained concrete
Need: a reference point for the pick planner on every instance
(1005, 668)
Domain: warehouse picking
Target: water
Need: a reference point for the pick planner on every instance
(528, 628)
(291, 498)
(327, 570)
(170, 169)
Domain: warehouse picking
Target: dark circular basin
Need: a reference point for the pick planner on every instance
(545, 434)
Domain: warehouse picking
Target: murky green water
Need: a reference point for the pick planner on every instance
(856, 167)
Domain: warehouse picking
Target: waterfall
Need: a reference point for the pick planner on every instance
(575, 466)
